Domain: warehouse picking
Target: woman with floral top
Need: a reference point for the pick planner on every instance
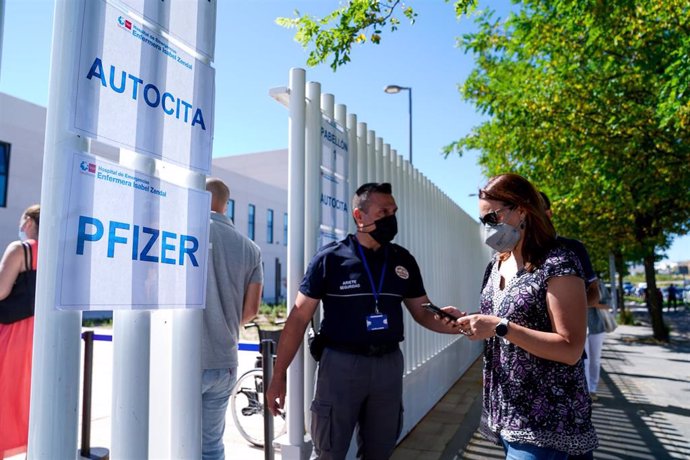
(533, 317)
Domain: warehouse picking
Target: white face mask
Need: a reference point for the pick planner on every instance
(501, 237)
(22, 234)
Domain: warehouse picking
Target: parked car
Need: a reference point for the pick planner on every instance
(628, 288)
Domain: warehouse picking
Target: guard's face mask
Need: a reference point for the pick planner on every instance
(386, 229)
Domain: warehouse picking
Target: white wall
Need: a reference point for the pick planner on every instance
(245, 190)
(22, 125)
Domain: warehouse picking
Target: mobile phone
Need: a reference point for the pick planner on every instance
(434, 309)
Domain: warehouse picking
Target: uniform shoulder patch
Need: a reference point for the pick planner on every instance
(402, 272)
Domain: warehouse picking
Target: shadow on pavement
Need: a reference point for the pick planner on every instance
(643, 405)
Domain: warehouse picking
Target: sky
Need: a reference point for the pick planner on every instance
(254, 54)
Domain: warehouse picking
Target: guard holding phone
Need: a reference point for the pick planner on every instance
(361, 281)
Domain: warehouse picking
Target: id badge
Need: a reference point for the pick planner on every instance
(377, 322)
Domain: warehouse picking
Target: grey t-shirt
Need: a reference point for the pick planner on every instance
(234, 262)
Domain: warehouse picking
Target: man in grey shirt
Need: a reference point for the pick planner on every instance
(233, 295)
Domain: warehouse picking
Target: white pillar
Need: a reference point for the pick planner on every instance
(312, 215)
(295, 448)
(130, 403)
(185, 401)
(614, 286)
(131, 352)
(371, 156)
(353, 155)
(185, 423)
(379, 160)
(54, 415)
(386, 163)
(362, 155)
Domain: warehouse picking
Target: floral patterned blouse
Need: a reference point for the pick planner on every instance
(528, 399)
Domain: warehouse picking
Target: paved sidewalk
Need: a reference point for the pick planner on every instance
(643, 409)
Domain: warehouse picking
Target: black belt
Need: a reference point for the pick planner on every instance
(365, 350)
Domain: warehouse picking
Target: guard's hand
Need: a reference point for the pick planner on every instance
(275, 396)
(453, 324)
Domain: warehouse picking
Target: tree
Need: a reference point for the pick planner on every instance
(359, 21)
(590, 101)
(575, 90)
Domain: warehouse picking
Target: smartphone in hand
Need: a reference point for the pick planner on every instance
(434, 309)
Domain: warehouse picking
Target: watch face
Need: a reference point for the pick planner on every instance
(502, 328)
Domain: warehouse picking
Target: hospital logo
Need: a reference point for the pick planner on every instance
(402, 272)
(126, 23)
(85, 166)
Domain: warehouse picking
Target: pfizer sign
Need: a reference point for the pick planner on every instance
(130, 241)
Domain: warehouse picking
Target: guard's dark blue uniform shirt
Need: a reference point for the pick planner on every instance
(579, 249)
(337, 276)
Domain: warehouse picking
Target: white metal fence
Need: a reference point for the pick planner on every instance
(442, 237)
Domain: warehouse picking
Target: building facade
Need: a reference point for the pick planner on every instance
(258, 194)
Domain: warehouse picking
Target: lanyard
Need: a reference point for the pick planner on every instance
(371, 278)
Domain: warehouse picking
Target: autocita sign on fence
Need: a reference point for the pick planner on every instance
(335, 206)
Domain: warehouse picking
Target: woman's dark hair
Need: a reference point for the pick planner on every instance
(540, 235)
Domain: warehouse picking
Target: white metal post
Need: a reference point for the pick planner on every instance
(130, 403)
(131, 360)
(340, 116)
(185, 423)
(371, 156)
(185, 414)
(614, 287)
(53, 419)
(353, 176)
(386, 163)
(312, 214)
(295, 449)
(362, 155)
(379, 160)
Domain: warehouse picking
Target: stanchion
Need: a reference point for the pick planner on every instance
(86, 451)
(267, 351)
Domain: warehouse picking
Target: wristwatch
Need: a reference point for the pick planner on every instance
(502, 328)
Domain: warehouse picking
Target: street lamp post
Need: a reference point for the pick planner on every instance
(394, 89)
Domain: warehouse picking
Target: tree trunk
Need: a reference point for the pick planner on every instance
(654, 302)
(618, 257)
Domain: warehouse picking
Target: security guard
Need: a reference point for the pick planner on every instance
(362, 281)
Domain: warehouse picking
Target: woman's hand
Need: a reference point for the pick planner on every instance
(478, 327)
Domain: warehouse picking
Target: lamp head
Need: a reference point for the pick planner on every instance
(392, 89)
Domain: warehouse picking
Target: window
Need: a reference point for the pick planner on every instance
(252, 217)
(269, 226)
(285, 228)
(231, 210)
(4, 172)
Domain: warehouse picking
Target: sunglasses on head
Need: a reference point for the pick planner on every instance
(491, 218)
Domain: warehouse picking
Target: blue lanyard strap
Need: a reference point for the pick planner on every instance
(371, 278)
